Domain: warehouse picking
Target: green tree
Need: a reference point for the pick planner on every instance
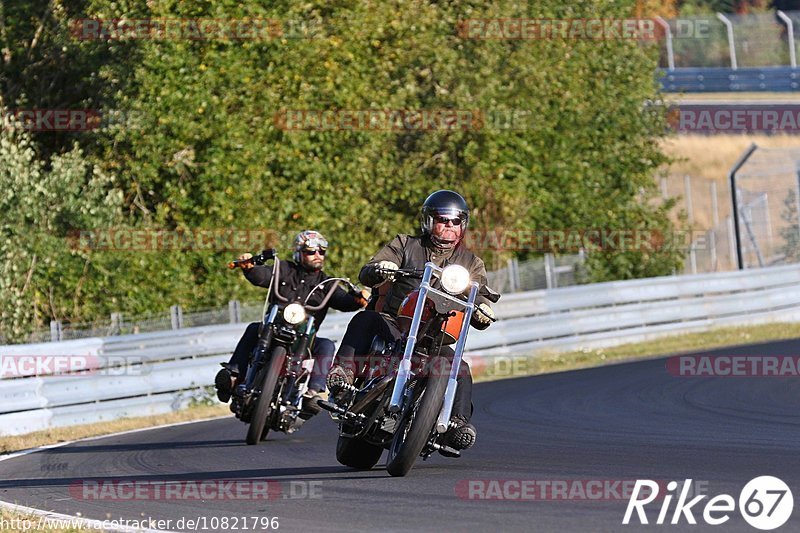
(44, 274)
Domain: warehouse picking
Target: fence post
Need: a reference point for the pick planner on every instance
(668, 33)
(56, 332)
(513, 285)
(714, 208)
(116, 323)
(234, 311)
(732, 241)
(176, 316)
(687, 188)
(731, 46)
(548, 271)
(712, 242)
(735, 211)
(790, 30)
(664, 193)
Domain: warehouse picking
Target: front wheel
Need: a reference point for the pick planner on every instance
(258, 422)
(416, 424)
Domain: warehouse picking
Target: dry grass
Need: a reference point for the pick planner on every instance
(712, 156)
(13, 521)
(56, 435)
(693, 342)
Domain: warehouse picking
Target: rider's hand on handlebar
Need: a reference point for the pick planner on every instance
(245, 257)
(483, 315)
(363, 297)
(382, 267)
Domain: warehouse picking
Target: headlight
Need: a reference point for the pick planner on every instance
(455, 279)
(294, 314)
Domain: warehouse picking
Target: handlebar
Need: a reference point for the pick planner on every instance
(329, 294)
(402, 272)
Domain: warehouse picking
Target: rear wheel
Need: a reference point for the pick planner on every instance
(415, 427)
(258, 423)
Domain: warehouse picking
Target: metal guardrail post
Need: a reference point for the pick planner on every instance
(735, 213)
(668, 33)
(176, 316)
(731, 46)
(790, 30)
(234, 311)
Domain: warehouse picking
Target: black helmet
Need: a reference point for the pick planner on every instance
(444, 203)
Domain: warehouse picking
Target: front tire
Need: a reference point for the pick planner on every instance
(258, 423)
(416, 425)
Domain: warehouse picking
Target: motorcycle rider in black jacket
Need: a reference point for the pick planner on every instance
(444, 220)
(297, 279)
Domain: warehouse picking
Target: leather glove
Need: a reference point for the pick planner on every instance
(481, 318)
(387, 265)
(246, 266)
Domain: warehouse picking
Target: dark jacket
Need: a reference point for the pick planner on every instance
(295, 282)
(413, 252)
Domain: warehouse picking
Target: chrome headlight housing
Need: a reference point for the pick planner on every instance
(455, 279)
(294, 314)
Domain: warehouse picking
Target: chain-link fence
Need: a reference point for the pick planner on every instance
(541, 273)
(548, 272)
(767, 190)
(767, 203)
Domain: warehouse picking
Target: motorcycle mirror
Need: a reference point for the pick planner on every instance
(490, 294)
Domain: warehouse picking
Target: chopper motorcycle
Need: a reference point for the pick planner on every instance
(402, 397)
(270, 395)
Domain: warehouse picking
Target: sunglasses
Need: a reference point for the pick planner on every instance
(312, 252)
(445, 220)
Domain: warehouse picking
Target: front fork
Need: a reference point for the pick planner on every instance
(404, 369)
(300, 354)
(443, 422)
(260, 351)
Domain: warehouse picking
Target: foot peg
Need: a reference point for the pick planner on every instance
(447, 451)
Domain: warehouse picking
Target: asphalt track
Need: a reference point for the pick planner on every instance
(618, 422)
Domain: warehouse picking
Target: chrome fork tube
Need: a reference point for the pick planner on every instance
(404, 370)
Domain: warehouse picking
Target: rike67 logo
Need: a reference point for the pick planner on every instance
(765, 503)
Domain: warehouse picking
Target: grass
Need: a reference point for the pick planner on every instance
(65, 434)
(14, 521)
(712, 156)
(694, 342)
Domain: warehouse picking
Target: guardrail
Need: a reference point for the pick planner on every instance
(718, 79)
(136, 375)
